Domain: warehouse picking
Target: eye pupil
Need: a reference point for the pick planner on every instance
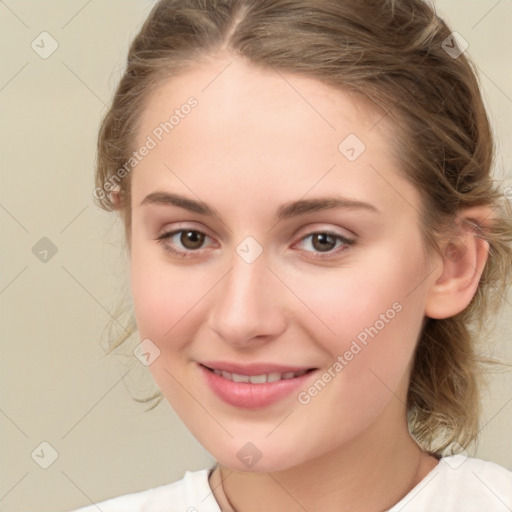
(192, 239)
(323, 237)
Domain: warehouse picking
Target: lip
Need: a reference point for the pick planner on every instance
(253, 368)
(246, 395)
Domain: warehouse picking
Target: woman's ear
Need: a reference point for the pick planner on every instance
(115, 197)
(464, 256)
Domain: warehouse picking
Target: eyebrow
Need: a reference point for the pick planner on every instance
(286, 211)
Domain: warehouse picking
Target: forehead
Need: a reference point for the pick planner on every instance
(244, 93)
(251, 126)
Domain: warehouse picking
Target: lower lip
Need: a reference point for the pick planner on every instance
(252, 396)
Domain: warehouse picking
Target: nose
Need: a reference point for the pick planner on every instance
(249, 305)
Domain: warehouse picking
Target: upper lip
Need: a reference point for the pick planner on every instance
(253, 368)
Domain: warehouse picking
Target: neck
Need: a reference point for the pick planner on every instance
(370, 473)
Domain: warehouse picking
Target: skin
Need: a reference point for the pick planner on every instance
(257, 140)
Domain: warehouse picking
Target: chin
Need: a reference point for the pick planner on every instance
(258, 456)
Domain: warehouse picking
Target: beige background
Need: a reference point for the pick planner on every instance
(57, 385)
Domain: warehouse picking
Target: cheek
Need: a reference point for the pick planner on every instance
(166, 301)
(371, 317)
(350, 301)
(165, 295)
(376, 320)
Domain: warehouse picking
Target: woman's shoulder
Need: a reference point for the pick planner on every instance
(190, 494)
(461, 483)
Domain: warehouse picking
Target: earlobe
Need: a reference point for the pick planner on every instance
(464, 257)
(115, 198)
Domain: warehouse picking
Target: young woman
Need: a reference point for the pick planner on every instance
(313, 235)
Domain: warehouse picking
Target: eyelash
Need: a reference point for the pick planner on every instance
(347, 242)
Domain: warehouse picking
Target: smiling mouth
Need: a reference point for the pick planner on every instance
(258, 379)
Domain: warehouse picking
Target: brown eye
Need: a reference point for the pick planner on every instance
(185, 243)
(192, 239)
(323, 241)
(325, 244)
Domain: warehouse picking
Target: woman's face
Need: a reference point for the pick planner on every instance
(266, 278)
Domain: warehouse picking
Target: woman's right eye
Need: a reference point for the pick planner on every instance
(190, 239)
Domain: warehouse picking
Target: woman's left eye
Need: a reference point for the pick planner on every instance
(192, 240)
(325, 242)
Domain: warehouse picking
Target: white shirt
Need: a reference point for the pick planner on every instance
(457, 483)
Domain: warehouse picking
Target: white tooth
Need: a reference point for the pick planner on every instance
(258, 379)
(239, 378)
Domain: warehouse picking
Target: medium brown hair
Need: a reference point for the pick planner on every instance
(396, 54)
